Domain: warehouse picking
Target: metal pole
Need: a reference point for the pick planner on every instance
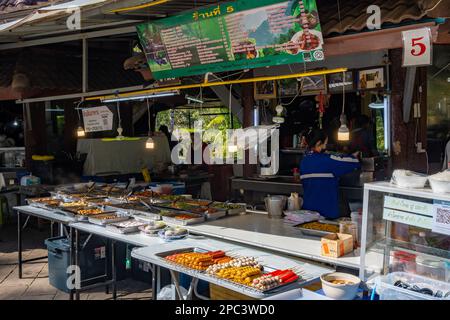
(19, 242)
(85, 65)
(77, 264)
(113, 268)
(71, 256)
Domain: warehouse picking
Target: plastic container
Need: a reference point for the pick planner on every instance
(409, 179)
(387, 290)
(430, 268)
(439, 186)
(92, 260)
(403, 262)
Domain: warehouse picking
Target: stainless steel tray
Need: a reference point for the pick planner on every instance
(313, 232)
(98, 221)
(216, 215)
(179, 222)
(115, 227)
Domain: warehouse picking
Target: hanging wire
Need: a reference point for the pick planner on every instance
(118, 114)
(149, 117)
(343, 92)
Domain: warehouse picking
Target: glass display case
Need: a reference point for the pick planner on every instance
(405, 231)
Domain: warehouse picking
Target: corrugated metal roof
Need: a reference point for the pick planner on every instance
(16, 5)
(336, 16)
(341, 16)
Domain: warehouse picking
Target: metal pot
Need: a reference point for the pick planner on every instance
(275, 206)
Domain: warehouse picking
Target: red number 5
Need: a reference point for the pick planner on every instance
(415, 42)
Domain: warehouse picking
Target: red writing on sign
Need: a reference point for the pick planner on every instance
(88, 113)
(420, 47)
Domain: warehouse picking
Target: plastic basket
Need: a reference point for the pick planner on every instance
(387, 290)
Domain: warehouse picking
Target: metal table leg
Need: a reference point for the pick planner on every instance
(71, 256)
(19, 242)
(77, 262)
(154, 282)
(113, 269)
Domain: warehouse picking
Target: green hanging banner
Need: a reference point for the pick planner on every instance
(238, 35)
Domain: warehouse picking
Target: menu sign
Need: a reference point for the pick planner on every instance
(97, 119)
(413, 213)
(242, 34)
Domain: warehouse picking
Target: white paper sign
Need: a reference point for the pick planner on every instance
(417, 47)
(97, 119)
(441, 217)
(412, 213)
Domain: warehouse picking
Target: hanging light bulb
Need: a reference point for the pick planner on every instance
(80, 132)
(150, 144)
(119, 128)
(343, 132)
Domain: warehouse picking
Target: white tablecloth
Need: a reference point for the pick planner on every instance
(122, 156)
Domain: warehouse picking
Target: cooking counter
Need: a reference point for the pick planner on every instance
(285, 185)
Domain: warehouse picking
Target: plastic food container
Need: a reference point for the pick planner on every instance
(409, 179)
(439, 186)
(404, 261)
(387, 290)
(430, 268)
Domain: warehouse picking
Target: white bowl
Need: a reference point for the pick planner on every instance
(340, 291)
(439, 186)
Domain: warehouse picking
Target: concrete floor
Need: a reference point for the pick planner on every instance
(35, 284)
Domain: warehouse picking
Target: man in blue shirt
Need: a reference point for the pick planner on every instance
(320, 173)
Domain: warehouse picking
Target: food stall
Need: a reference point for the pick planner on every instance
(258, 250)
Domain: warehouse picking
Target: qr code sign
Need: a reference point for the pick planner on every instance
(443, 215)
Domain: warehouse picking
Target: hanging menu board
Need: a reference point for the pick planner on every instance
(237, 35)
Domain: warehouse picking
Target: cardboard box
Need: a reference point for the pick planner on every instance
(337, 245)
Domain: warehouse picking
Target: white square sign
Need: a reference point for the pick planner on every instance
(417, 47)
(97, 119)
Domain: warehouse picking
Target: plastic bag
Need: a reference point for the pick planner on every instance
(169, 293)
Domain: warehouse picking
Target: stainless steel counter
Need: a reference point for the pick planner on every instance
(285, 185)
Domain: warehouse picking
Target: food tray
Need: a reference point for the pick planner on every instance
(43, 203)
(215, 215)
(165, 254)
(97, 219)
(314, 232)
(146, 218)
(179, 222)
(282, 287)
(231, 212)
(119, 227)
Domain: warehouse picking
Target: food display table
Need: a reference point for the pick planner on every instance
(151, 254)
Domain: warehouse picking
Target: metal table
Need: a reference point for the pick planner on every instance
(151, 253)
(135, 239)
(29, 211)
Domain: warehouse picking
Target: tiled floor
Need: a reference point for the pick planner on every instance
(35, 284)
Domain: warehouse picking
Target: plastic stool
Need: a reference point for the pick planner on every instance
(4, 209)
